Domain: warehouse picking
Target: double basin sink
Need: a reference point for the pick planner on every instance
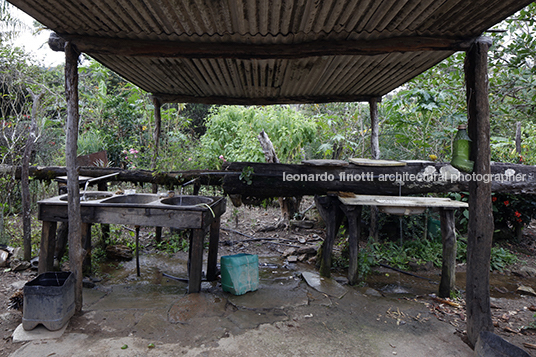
(144, 209)
(103, 197)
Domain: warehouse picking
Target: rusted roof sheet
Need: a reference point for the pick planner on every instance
(247, 79)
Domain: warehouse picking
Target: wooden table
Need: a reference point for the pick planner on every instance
(332, 208)
(140, 210)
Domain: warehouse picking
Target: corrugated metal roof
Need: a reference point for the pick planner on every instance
(277, 22)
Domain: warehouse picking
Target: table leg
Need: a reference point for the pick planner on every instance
(353, 213)
(329, 209)
(214, 239)
(105, 228)
(448, 271)
(138, 273)
(48, 242)
(196, 261)
(86, 244)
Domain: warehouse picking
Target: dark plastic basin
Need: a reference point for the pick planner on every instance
(187, 200)
(136, 198)
(48, 300)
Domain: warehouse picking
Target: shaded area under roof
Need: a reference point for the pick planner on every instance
(269, 51)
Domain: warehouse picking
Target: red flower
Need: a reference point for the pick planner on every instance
(493, 199)
(519, 220)
(506, 203)
(517, 214)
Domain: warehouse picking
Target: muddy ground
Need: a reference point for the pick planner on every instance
(242, 232)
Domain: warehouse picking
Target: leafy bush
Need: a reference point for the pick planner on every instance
(419, 251)
(232, 134)
(510, 213)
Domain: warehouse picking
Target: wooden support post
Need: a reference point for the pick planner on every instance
(214, 240)
(76, 252)
(353, 213)
(480, 227)
(46, 252)
(375, 154)
(329, 209)
(86, 244)
(448, 270)
(61, 240)
(156, 138)
(196, 261)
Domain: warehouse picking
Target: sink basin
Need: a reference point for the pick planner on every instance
(187, 200)
(136, 198)
(90, 196)
(402, 210)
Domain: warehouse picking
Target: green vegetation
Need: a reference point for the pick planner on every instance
(417, 252)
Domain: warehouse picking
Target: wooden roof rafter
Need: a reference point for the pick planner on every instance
(174, 49)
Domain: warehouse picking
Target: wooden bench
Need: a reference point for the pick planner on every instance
(333, 206)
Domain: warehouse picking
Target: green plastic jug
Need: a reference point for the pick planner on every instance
(240, 273)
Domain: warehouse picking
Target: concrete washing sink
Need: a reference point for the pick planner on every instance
(187, 201)
(201, 214)
(138, 198)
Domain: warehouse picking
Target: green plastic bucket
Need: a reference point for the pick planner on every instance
(240, 273)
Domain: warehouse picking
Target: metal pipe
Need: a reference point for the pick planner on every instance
(189, 182)
(93, 179)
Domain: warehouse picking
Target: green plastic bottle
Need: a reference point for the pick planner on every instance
(461, 148)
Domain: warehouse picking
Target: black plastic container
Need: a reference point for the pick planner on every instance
(48, 300)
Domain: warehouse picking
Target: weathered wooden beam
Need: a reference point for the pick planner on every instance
(172, 178)
(175, 49)
(480, 226)
(76, 252)
(267, 178)
(178, 98)
(275, 180)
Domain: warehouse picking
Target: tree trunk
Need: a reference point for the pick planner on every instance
(480, 227)
(76, 252)
(518, 138)
(289, 205)
(25, 180)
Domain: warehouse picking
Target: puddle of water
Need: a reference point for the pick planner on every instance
(151, 267)
(501, 286)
